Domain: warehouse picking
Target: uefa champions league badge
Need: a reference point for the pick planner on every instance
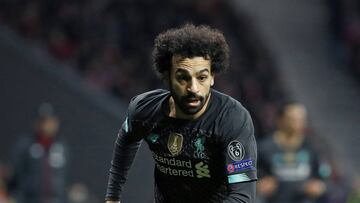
(236, 150)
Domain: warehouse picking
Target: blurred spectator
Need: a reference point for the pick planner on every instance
(39, 162)
(78, 193)
(289, 166)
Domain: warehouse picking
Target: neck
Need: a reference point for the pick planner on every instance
(45, 141)
(176, 112)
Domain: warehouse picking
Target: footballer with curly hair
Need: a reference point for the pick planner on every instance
(202, 140)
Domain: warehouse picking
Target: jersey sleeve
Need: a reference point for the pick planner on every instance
(239, 148)
(126, 146)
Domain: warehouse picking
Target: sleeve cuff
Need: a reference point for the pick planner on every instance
(242, 177)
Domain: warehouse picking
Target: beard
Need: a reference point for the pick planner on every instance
(183, 102)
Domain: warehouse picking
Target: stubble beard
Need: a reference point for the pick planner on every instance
(182, 101)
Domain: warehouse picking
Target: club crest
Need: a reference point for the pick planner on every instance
(236, 150)
(175, 143)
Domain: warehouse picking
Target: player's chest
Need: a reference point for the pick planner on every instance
(183, 152)
(291, 166)
(183, 143)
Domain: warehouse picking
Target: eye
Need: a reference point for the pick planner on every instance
(182, 78)
(202, 78)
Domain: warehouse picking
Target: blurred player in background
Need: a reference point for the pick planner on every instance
(39, 162)
(288, 164)
(202, 141)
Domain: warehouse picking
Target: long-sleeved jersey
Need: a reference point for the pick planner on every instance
(209, 159)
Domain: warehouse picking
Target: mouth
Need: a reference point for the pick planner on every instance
(193, 102)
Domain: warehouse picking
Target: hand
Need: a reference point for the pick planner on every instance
(267, 186)
(314, 188)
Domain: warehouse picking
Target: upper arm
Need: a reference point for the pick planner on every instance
(238, 147)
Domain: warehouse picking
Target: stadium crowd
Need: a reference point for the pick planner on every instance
(109, 43)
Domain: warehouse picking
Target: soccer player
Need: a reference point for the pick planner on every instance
(202, 140)
(288, 164)
(40, 161)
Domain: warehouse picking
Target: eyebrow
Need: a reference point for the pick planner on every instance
(186, 71)
(204, 70)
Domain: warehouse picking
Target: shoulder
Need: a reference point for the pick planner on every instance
(23, 144)
(146, 103)
(232, 119)
(231, 110)
(25, 140)
(309, 145)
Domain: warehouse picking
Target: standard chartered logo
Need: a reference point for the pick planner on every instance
(202, 170)
(175, 167)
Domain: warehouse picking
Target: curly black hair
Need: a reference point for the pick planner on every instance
(190, 41)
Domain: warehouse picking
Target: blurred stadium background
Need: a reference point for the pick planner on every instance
(88, 58)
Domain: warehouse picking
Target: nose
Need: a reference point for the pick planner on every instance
(193, 86)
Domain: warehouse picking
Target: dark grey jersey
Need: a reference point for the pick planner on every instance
(290, 167)
(210, 159)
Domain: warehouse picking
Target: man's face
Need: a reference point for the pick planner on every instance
(294, 119)
(48, 126)
(190, 81)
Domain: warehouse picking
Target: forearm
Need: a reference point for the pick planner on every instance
(241, 193)
(123, 156)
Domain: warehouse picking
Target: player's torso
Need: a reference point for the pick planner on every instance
(186, 155)
(291, 165)
(184, 151)
(292, 169)
(187, 161)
